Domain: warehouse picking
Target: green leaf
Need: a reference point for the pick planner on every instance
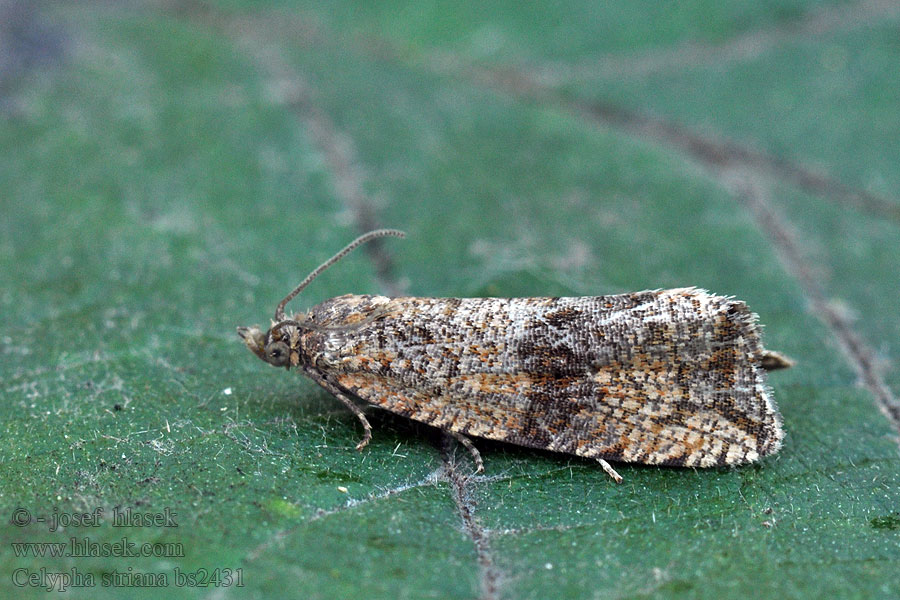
(171, 170)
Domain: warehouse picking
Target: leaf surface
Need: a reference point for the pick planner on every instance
(172, 169)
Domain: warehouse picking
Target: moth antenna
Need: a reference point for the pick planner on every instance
(279, 311)
(328, 328)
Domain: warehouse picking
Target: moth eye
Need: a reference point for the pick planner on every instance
(277, 354)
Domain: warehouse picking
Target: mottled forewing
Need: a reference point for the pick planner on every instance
(658, 377)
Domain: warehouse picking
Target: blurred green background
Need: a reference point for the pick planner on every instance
(171, 168)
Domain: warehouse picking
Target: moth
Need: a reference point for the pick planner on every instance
(661, 377)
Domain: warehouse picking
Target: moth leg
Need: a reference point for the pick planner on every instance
(337, 393)
(609, 470)
(467, 443)
(367, 429)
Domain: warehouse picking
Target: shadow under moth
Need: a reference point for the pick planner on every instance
(663, 377)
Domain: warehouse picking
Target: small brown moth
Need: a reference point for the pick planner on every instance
(663, 377)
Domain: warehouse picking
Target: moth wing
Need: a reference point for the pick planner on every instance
(624, 436)
(470, 415)
(661, 377)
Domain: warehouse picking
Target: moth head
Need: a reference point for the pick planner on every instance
(273, 346)
(275, 352)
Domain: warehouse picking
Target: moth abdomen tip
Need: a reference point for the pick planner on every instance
(773, 361)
